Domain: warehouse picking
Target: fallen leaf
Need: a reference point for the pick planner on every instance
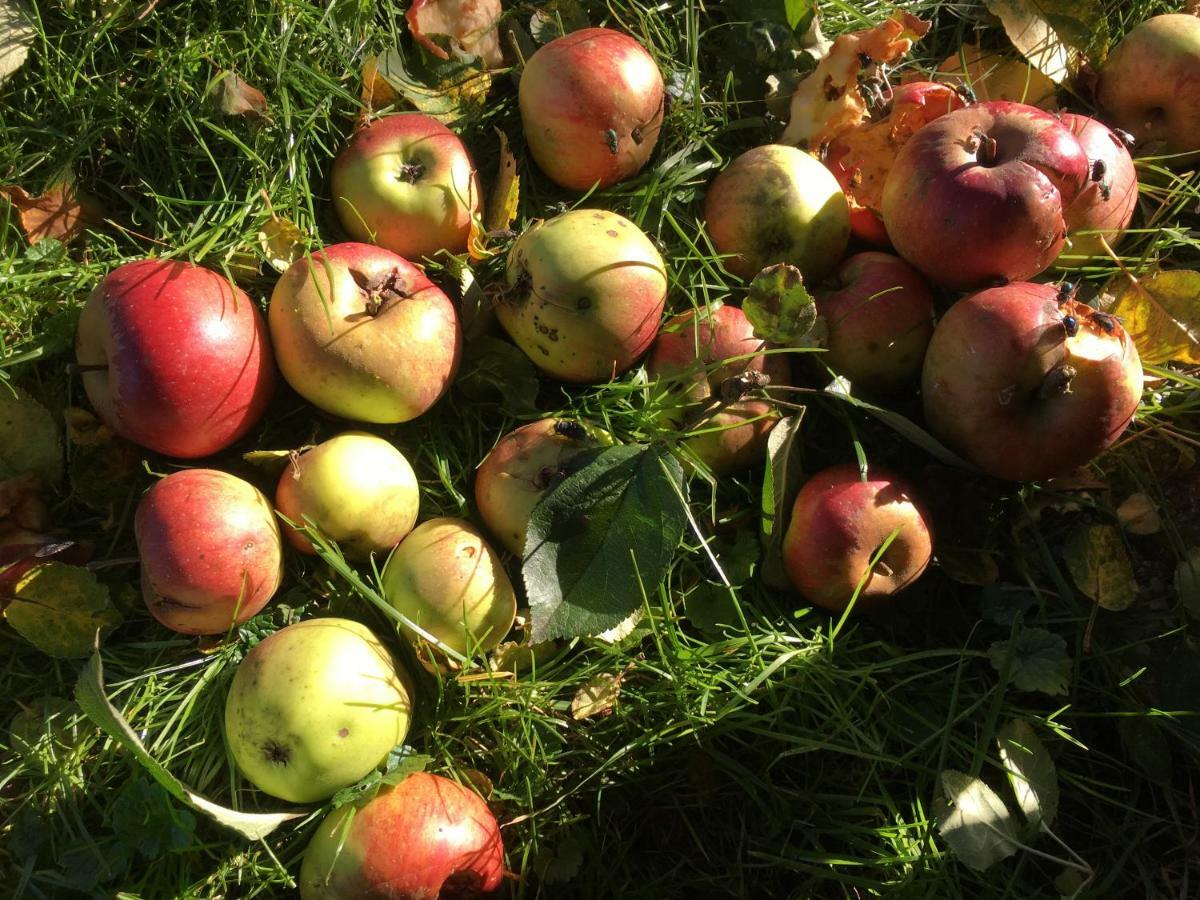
(1031, 772)
(471, 26)
(597, 697)
(272, 461)
(556, 18)
(377, 93)
(1051, 34)
(779, 307)
(446, 90)
(59, 608)
(622, 629)
(1099, 565)
(16, 36)
(1037, 660)
(62, 212)
(84, 429)
(506, 190)
(21, 504)
(1161, 313)
(973, 821)
(991, 76)
(1138, 515)
(282, 242)
(234, 97)
(781, 480)
(480, 782)
(29, 438)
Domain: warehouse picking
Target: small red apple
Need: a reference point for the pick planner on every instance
(1105, 207)
(592, 106)
(1029, 384)
(174, 357)
(423, 838)
(210, 550)
(840, 520)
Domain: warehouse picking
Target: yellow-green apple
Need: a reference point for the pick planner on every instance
(585, 293)
(1027, 383)
(715, 366)
(778, 204)
(1150, 86)
(314, 707)
(210, 550)
(445, 578)
(423, 838)
(592, 106)
(406, 183)
(879, 314)
(840, 521)
(174, 357)
(362, 333)
(981, 194)
(1105, 207)
(523, 466)
(356, 488)
(992, 76)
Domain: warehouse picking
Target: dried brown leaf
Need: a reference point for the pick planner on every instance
(472, 26)
(232, 96)
(62, 212)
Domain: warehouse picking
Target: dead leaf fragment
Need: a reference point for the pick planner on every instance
(16, 36)
(282, 242)
(234, 97)
(1139, 515)
(471, 25)
(597, 697)
(1100, 567)
(62, 212)
(1161, 313)
(1052, 34)
(29, 437)
(506, 190)
(84, 429)
(991, 76)
(377, 93)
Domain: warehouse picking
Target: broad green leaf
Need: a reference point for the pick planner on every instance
(974, 822)
(712, 608)
(555, 18)
(29, 438)
(89, 694)
(59, 608)
(1051, 34)
(601, 539)
(780, 307)
(446, 89)
(1099, 565)
(1161, 313)
(800, 13)
(1031, 772)
(780, 482)
(1037, 660)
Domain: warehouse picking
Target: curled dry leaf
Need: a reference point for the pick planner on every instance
(598, 696)
(62, 212)
(282, 242)
(1160, 313)
(471, 25)
(234, 97)
(1050, 33)
(16, 36)
(506, 190)
(1138, 515)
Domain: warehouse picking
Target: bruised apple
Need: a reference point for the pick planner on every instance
(1105, 207)
(1027, 383)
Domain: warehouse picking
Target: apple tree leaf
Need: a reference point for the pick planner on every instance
(62, 212)
(506, 190)
(232, 96)
(781, 480)
(780, 307)
(555, 18)
(597, 697)
(973, 821)
(1099, 565)
(1052, 34)
(712, 608)
(282, 242)
(1160, 313)
(601, 540)
(446, 89)
(1037, 660)
(29, 438)
(59, 608)
(1031, 772)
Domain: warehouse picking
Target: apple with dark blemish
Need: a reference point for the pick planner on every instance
(363, 333)
(314, 707)
(1106, 206)
(210, 550)
(585, 294)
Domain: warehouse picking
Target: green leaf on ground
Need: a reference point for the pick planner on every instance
(29, 437)
(1031, 772)
(447, 89)
(1037, 661)
(59, 608)
(1099, 565)
(973, 821)
(780, 307)
(712, 608)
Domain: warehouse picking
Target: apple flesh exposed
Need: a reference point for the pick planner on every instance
(1105, 207)
(586, 291)
(1150, 86)
(362, 333)
(211, 554)
(447, 579)
(981, 194)
(1028, 384)
(314, 707)
(174, 357)
(523, 466)
(879, 313)
(423, 838)
(592, 106)
(839, 522)
(778, 204)
(406, 183)
(356, 488)
(707, 357)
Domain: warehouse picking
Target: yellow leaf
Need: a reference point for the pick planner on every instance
(1161, 313)
(377, 93)
(506, 192)
(597, 697)
(58, 608)
(84, 429)
(282, 242)
(1100, 566)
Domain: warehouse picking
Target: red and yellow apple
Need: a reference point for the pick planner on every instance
(1105, 207)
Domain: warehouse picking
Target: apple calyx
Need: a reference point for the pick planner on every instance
(411, 172)
(382, 292)
(276, 753)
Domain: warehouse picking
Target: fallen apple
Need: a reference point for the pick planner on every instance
(1103, 209)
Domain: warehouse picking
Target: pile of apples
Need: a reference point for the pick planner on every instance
(1018, 377)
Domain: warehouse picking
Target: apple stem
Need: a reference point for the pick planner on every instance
(91, 367)
(988, 150)
(884, 569)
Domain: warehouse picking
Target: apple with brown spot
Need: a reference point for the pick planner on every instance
(1105, 208)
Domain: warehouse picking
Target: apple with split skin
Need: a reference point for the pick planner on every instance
(1106, 206)
(1027, 383)
(362, 333)
(174, 357)
(591, 105)
(210, 549)
(406, 183)
(981, 195)
(423, 838)
(839, 522)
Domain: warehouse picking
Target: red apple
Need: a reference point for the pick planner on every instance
(839, 522)
(701, 357)
(879, 313)
(981, 194)
(1150, 86)
(174, 357)
(406, 183)
(1029, 384)
(592, 106)
(362, 333)
(423, 838)
(1105, 207)
(210, 550)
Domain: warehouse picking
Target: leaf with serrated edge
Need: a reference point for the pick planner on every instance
(974, 822)
(1028, 26)
(1031, 772)
(59, 608)
(1099, 565)
(1160, 313)
(1039, 661)
(779, 307)
(29, 437)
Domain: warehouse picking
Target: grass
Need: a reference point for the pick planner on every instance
(779, 756)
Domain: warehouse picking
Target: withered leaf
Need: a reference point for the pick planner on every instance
(62, 212)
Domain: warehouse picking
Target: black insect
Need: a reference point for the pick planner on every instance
(1099, 169)
(610, 138)
(964, 90)
(1071, 324)
(1067, 291)
(1105, 321)
(571, 430)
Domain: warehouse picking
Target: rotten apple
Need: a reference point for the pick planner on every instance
(1105, 207)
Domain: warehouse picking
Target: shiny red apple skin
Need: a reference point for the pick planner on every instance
(210, 549)
(967, 212)
(189, 368)
(425, 838)
(1105, 207)
(996, 391)
(592, 106)
(839, 521)
(879, 314)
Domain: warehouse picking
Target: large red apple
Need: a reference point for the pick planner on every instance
(406, 182)
(362, 333)
(1105, 207)
(981, 194)
(1028, 384)
(592, 106)
(879, 313)
(840, 520)
(1150, 86)
(210, 550)
(423, 838)
(174, 357)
